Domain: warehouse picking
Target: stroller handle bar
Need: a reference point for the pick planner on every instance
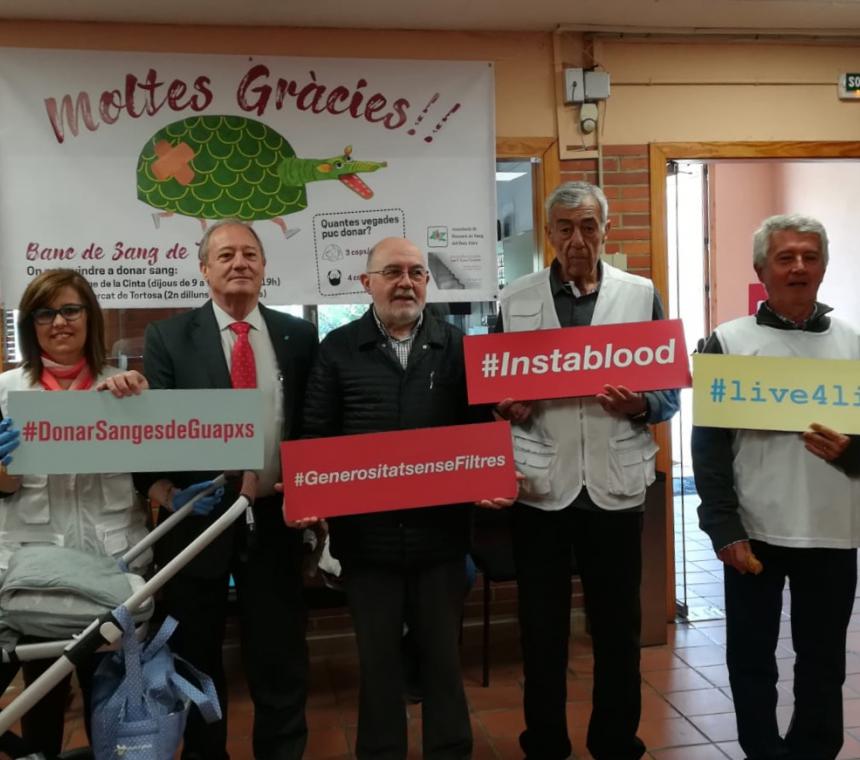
(163, 527)
(106, 629)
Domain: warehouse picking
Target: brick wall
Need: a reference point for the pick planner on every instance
(625, 182)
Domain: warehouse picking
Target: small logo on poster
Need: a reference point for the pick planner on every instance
(437, 237)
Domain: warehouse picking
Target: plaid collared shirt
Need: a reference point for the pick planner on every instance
(400, 347)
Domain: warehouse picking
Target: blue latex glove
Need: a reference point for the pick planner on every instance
(10, 439)
(204, 505)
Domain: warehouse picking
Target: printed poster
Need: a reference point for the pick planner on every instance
(114, 163)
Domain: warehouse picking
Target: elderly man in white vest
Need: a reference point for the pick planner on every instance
(587, 462)
(782, 505)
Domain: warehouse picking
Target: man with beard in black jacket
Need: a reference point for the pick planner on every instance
(398, 368)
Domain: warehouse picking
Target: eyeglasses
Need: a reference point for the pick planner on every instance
(68, 311)
(392, 273)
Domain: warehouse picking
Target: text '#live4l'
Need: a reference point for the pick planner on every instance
(738, 391)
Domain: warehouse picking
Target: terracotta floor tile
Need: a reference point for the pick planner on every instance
(851, 713)
(654, 705)
(716, 633)
(324, 716)
(684, 636)
(326, 743)
(483, 751)
(697, 752)
(494, 697)
(669, 732)
(579, 689)
(659, 658)
(240, 749)
(700, 701)
(507, 747)
(703, 656)
(715, 623)
(718, 675)
(718, 728)
(785, 694)
(578, 715)
(348, 709)
(581, 645)
(851, 686)
(850, 749)
(783, 717)
(733, 750)
(502, 723)
(676, 679)
(581, 666)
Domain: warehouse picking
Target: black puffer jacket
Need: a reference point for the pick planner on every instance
(358, 386)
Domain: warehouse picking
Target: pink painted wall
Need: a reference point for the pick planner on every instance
(830, 192)
(743, 194)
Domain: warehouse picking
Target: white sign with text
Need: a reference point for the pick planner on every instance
(158, 431)
(114, 163)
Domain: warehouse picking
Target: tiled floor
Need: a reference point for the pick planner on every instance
(698, 573)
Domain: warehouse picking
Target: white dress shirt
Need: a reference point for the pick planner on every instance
(270, 381)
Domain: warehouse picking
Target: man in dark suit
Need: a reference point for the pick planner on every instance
(234, 341)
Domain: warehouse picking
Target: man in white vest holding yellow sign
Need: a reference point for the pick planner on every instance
(780, 505)
(587, 462)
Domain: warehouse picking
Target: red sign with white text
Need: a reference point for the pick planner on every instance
(756, 293)
(403, 469)
(576, 361)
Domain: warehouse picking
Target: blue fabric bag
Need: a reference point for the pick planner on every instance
(140, 702)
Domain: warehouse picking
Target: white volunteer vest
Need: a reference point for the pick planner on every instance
(571, 443)
(789, 497)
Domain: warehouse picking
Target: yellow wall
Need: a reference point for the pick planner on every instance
(663, 91)
(708, 91)
(523, 61)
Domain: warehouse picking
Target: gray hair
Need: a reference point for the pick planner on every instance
(203, 245)
(371, 253)
(793, 222)
(576, 194)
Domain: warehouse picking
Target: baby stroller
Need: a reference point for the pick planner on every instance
(107, 631)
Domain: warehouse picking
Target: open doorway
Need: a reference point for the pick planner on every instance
(714, 197)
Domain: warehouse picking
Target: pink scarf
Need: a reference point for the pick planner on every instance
(53, 371)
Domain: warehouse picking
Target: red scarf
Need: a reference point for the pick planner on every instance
(53, 371)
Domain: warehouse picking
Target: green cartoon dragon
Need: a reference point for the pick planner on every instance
(230, 167)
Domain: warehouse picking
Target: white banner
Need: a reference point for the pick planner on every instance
(109, 161)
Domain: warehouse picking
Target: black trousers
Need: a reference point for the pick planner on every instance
(608, 553)
(274, 651)
(430, 600)
(822, 584)
(43, 726)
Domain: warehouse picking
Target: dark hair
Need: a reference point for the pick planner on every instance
(39, 294)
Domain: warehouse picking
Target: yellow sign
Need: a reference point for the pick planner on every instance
(775, 393)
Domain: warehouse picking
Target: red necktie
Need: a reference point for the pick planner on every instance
(243, 369)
